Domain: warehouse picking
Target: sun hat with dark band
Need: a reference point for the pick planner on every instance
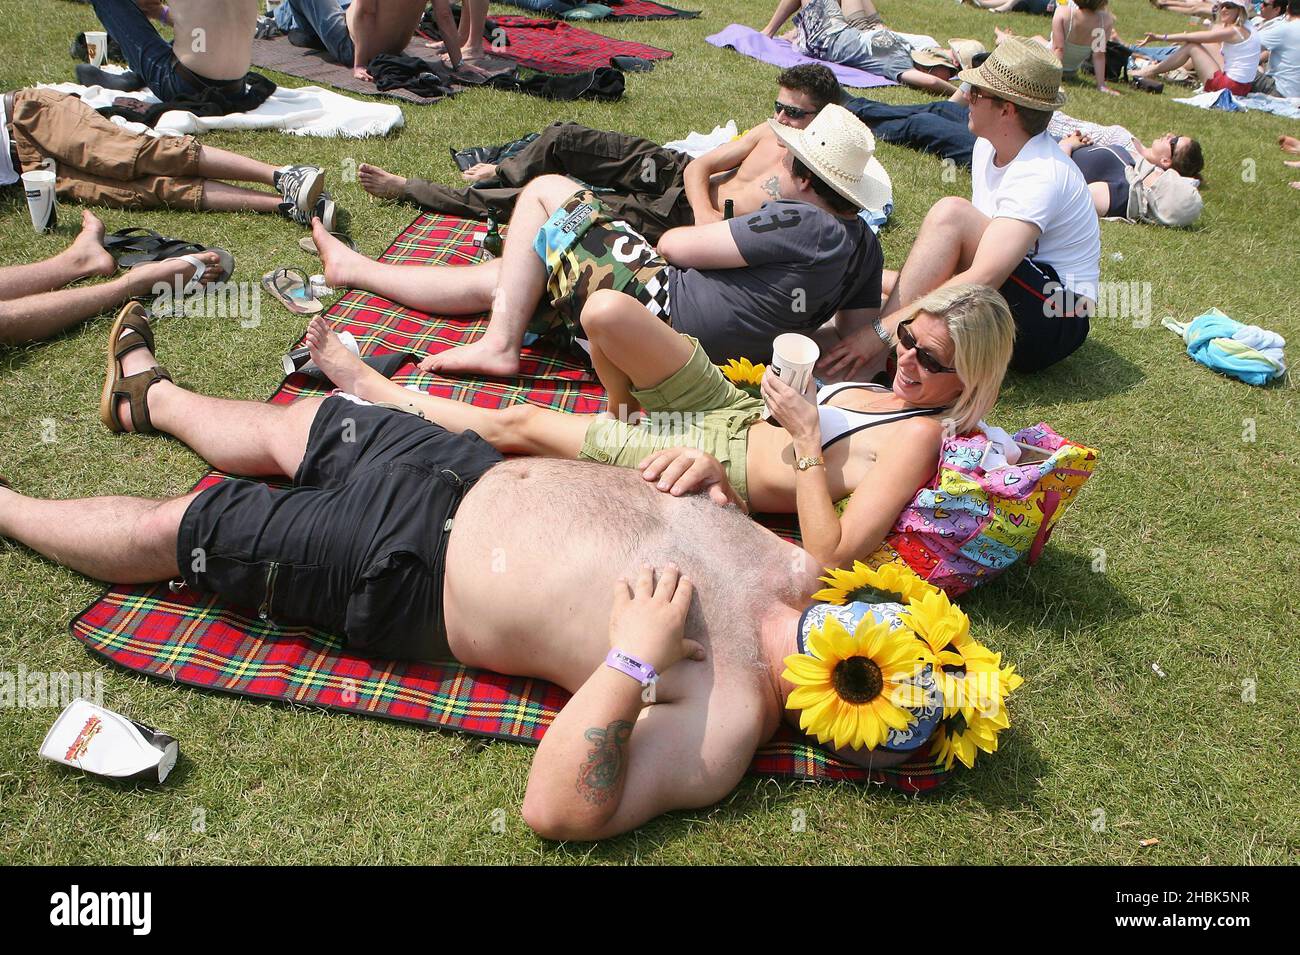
(966, 50)
(839, 150)
(1021, 71)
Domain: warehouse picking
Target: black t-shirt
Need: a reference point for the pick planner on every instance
(804, 265)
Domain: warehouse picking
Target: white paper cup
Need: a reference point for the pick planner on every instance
(793, 358)
(38, 186)
(96, 46)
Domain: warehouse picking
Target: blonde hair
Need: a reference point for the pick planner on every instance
(983, 333)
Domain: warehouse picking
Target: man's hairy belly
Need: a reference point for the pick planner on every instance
(537, 545)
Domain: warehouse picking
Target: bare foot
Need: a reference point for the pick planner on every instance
(485, 357)
(1289, 144)
(1293, 163)
(380, 183)
(341, 265)
(1295, 185)
(87, 249)
(1001, 33)
(479, 171)
(332, 357)
(145, 278)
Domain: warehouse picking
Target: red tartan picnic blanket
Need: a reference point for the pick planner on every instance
(556, 47)
(193, 639)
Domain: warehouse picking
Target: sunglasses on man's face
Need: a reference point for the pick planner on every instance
(794, 112)
(923, 357)
(977, 93)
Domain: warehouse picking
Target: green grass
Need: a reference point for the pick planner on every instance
(1198, 529)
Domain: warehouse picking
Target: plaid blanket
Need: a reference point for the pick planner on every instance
(555, 47)
(623, 9)
(193, 639)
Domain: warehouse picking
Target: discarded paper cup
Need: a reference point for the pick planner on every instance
(41, 205)
(793, 358)
(96, 46)
(319, 287)
(99, 741)
(300, 358)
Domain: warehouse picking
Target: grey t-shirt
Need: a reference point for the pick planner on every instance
(804, 265)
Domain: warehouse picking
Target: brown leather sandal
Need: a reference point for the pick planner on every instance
(134, 388)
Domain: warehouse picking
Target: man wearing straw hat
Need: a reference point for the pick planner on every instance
(790, 266)
(1029, 229)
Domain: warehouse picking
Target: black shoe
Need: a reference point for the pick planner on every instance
(300, 185)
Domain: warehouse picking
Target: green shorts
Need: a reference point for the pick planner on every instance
(584, 250)
(696, 407)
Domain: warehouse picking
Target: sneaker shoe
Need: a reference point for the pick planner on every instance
(300, 185)
(325, 210)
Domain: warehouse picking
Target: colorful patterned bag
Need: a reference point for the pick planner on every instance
(970, 524)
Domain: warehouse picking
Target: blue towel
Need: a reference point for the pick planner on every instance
(1246, 352)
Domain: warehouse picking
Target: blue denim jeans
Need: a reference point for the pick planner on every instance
(325, 20)
(938, 128)
(147, 53)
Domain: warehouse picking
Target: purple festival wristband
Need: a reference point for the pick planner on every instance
(643, 673)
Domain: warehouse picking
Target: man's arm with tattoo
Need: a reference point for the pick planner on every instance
(577, 783)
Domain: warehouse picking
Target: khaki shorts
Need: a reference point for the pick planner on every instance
(98, 162)
(696, 407)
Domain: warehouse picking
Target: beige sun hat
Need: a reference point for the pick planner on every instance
(966, 50)
(840, 150)
(933, 56)
(1022, 71)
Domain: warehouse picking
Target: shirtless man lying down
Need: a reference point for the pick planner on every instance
(655, 189)
(404, 537)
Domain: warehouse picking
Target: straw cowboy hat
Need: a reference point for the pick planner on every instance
(840, 151)
(1021, 71)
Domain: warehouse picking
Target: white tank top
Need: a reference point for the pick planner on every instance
(1241, 59)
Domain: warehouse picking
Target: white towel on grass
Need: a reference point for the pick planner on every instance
(301, 111)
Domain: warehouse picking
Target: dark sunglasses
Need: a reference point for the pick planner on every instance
(794, 112)
(1173, 144)
(977, 93)
(923, 357)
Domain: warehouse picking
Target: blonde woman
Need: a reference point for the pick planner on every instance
(1225, 57)
(698, 432)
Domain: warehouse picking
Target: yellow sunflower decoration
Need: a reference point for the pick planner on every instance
(872, 586)
(850, 686)
(745, 375)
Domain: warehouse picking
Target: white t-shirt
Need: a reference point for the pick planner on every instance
(7, 172)
(1042, 185)
(1283, 44)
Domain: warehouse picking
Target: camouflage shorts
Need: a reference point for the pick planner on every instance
(584, 250)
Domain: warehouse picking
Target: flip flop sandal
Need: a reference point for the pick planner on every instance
(225, 261)
(135, 246)
(292, 289)
(134, 388)
(308, 244)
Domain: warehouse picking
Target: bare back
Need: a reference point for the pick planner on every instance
(214, 38)
(755, 180)
(537, 545)
(387, 30)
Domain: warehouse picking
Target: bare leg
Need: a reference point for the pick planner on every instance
(473, 17)
(85, 257)
(217, 163)
(944, 246)
(1204, 61)
(380, 183)
(223, 197)
(518, 429)
(1289, 144)
(630, 347)
(124, 540)
(40, 316)
(444, 289)
(252, 438)
(519, 287)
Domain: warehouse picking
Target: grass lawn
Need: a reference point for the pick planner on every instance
(1198, 555)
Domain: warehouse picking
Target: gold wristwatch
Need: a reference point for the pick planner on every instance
(803, 464)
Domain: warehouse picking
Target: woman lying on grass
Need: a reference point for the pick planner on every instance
(698, 432)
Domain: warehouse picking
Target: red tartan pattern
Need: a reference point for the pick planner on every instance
(553, 46)
(192, 639)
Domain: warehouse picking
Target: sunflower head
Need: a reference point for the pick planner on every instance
(745, 375)
(886, 583)
(853, 688)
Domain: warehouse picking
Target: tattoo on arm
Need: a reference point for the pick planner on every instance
(599, 776)
(773, 187)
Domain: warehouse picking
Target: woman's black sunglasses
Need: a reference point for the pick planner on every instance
(923, 357)
(794, 112)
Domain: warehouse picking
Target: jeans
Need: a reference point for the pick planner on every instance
(147, 53)
(323, 18)
(931, 127)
